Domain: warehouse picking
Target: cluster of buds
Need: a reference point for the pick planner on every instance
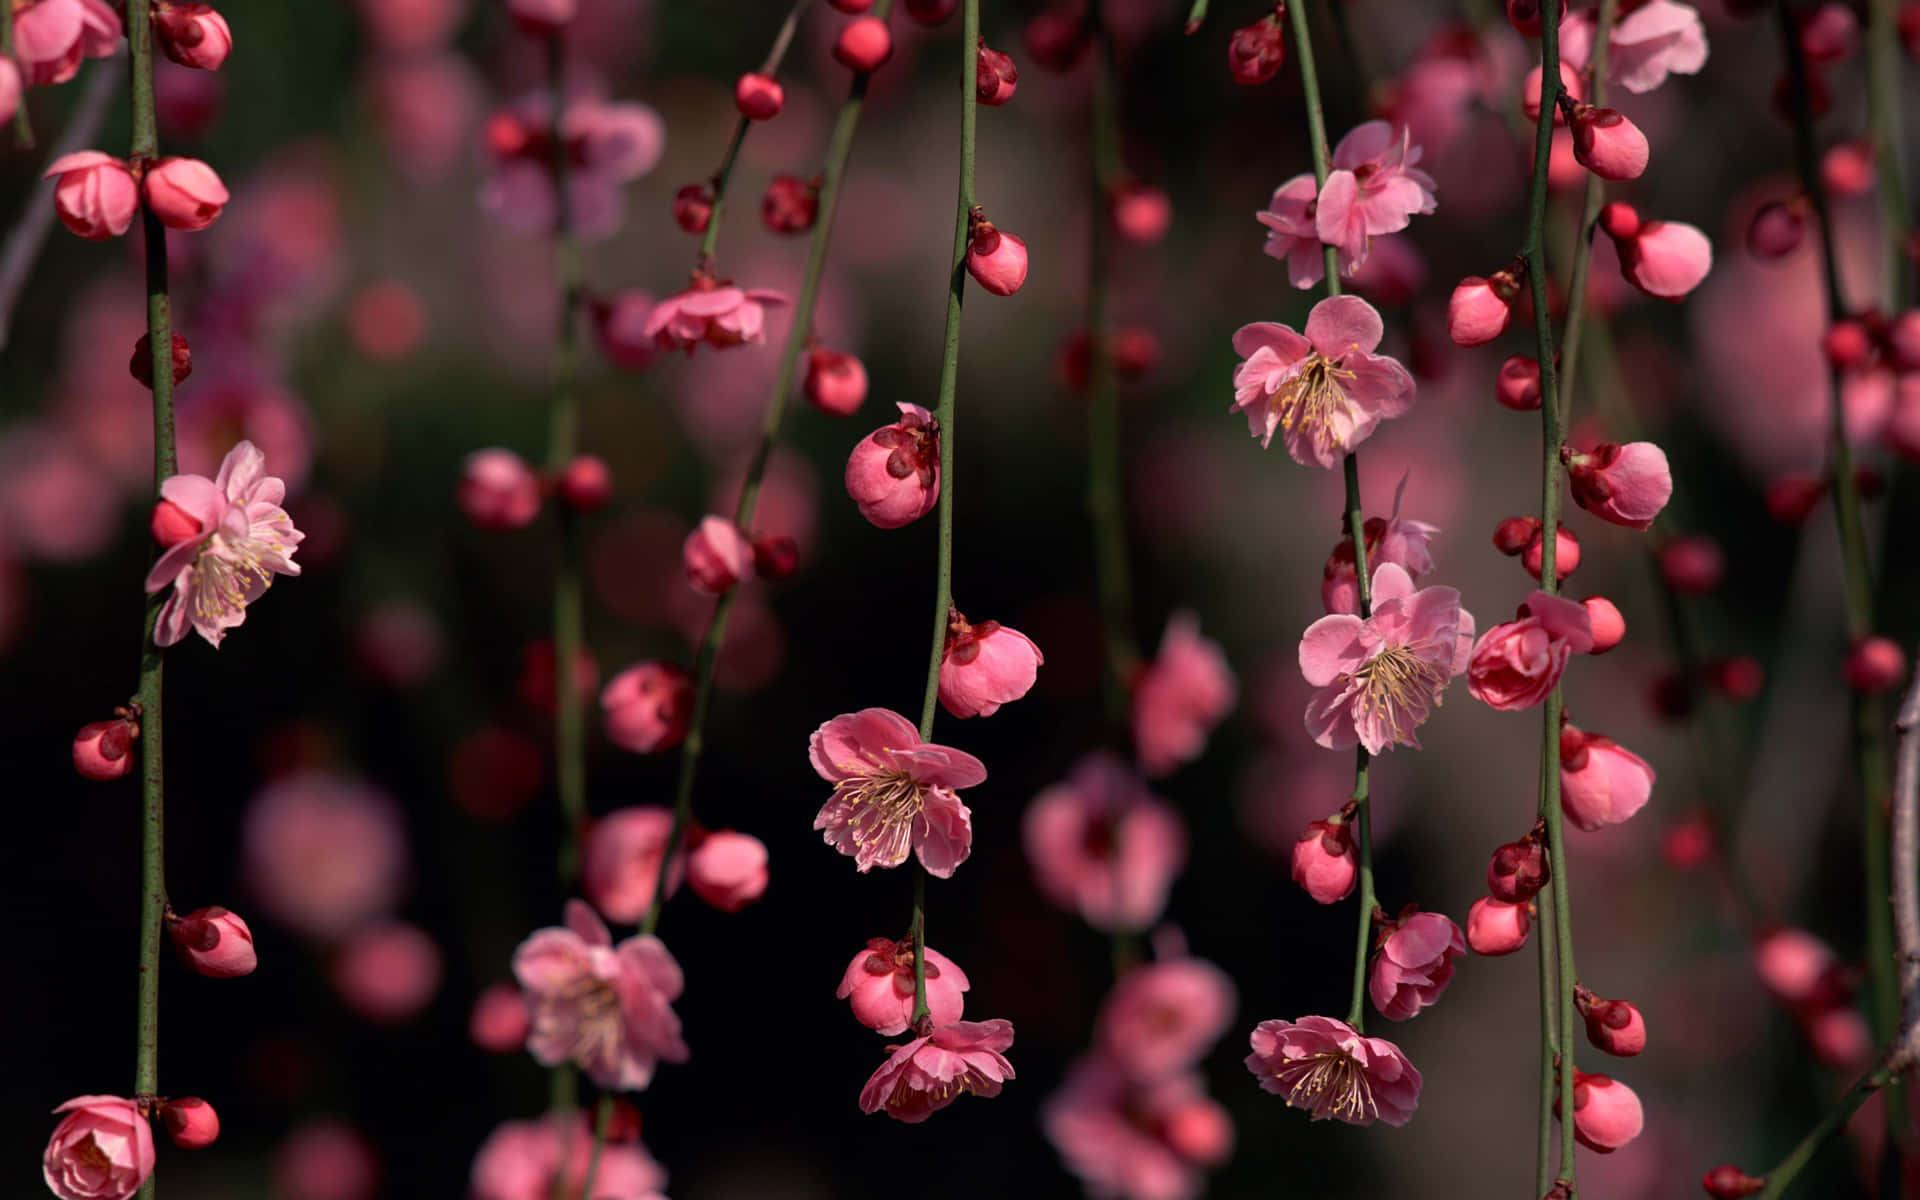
(499, 493)
(1498, 923)
(718, 554)
(97, 194)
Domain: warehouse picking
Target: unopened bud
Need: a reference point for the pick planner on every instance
(1609, 627)
(1776, 230)
(836, 383)
(1496, 927)
(1566, 554)
(693, 207)
(141, 364)
(1518, 870)
(1791, 498)
(1256, 52)
(997, 261)
(586, 484)
(863, 45)
(995, 76)
(1518, 386)
(758, 97)
(191, 1122)
(215, 942)
(775, 555)
(1613, 1026)
(1693, 565)
(103, 750)
(791, 204)
(1512, 535)
(1875, 664)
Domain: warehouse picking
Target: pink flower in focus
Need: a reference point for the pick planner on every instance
(1323, 861)
(389, 972)
(648, 707)
(1414, 965)
(893, 793)
(215, 942)
(606, 1009)
(1516, 665)
(323, 853)
(620, 865)
(1601, 782)
(1292, 236)
(893, 475)
(1628, 485)
(1664, 259)
(184, 193)
(1137, 1141)
(1496, 927)
(1606, 1113)
(245, 538)
(193, 34)
(718, 314)
(728, 869)
(96, 195)
(1103, 846)
(716, 555)
(984, 666)
(1331, 1070)
(1373, 189)
(524, 1160)
(51, 36)
(931, 1072)
(1325, 391)
(1181, 695)
(101, 1150)
(879, 984)
(1379, 678)
(1160, 1019)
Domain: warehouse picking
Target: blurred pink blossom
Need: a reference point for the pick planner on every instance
(606, 1009)
(323, 853)
(621, 862)
(1160, 1019)
(522, 1160)
(1180, 697)
(1133, 1141)
(1103, 846)
(388, 972)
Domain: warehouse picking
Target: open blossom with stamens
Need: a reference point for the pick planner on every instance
(1324, 391)
(713, 312)
(1330, 1069)
(1373, 189)
(893, 793)
(931, 1072)
(241, 539)
(607, 1009)
(1292, 236)
(1380, 677)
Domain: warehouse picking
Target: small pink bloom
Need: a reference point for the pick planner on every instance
(1481, 309)
(323, 853)
(96, 195)
(1666, 259)
(531, 1160)
(1608, 144)
(1324, 862)
(836, 383)
(1601, 782)
(1381, 677)
(500, 1021)
(1326, 390)
(1606, 1113)
(758, 97)
(498, 491)
(1331, 1070)
(1496, 927)
(1373, 189)
(191, 1122)
(1628, 485)
(997, 261)
(101, 1150)
(728, 870)
(1518, 386)
(48, 40)
(1292, 236)
(543, 18)
(1103, 846)
(879, 985)
(1160, 1019)
(620, 866)
(215, 942)
(716, 556)
(606, 1009)
(1394, 539)
(1516, 665)
(1654, 40)
(103, 750)
(893, 793)
(245, 539)
(1613, 1026)
(388, 972)
(184, 193)
(929, 1073)
(1796, 967)
(984, 666)
(863, 45)
(1609, 627)
(720, 315)
(1142, 1141)
(1414, 965)
(193, 34)
(894, 473)
(1181, 695)
(648, 707)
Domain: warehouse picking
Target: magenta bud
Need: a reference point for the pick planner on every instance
(1847, 344)
(498, 491)
(141, 364)
(1324, 863)
(1738, 678)
(1776, 230)
(693, 207)
(215, 942)
(1255, 52)
(1791, 498)
(191, 1122)
(1496, 927)
(1609, 627)
(1512, 535)
(1613, 1026)
(775, 555)
(863, 45)
(931, 12)
(1608, 144)
(193, 34)
(1477, 313)
(1566, 554)
(836, 383)
(1728, 1182)
(1518, 870)
(997, 261)
(995, 76)
(758, 97)
(1693, 565)
(586, 484)
(790, 205)
(1619, 220)
(1518, 386)
(184, 193)
(103, 750)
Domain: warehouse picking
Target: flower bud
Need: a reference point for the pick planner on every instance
(931, 13)
(997, 261)
(1199, 1131)
(995, 76)
(1625, 484)
(1142, 214)
(1566, 554)
(1496, 927)
(1524, 15)
(1323, 861)
(693, 207)
(542, 18)
(586, 483)
(836, 383)
(1613, 1026)
(1518, 386)
(1737, 678)
(775, 555)
(1609, 627)
(1518, 870)
(215, 942)
(1608, 144)
(1256, 52)
(193, 35)
(1776, 229)
(863, 45)
(95, 194)
(498, 492)
(184, 193)
(500, 1021)
(728, 870)
(170, 525)
(1728, 1182)
(1693, 565)
(191, 1122)
(103, 750)
(647, 707)
(1875, 664)
(1606, 1113)
(1664, 259)
(1791, 498)
(1512, 535)
(1828, 34)
(984, 666)
(716, 555)
(1619, 220)
(1480, 309)
(790, 205)
(141, 364)
(758, 97)
(893, 475)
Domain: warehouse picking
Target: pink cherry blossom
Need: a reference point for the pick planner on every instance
(1379, 678)
(1601, 782)
(1138, 1141)
(1373, 189)
(1160, 1019)
(879, 985)
(893, 475)
(523, 1160)
(716, 555)
(1414, 965)
(96, 196)
(648, 707)
(51, 36)
(608, 146)
(1181, 695)
(388, 973)
(1103, 846)
(984, 666)
(1395, 539)
(1331, 1070)
(214, 941)
(325, 1160)
(620, 866)
(931, 1072)
(606, 1009)
(728, 869)
(184, 193)
(1517, 664)
(1324, 391)
(893, 793)
(718, 314)
(1657, 39)
(323, 853)
(1292, 236)
(1606, 1113)
(101, 1150)
(1323, 861)
(245, 538)
(1626, 484)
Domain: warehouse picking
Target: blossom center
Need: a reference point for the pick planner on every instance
(90, 1156)
(1329, 1084)
(226, 572)
(586, 1013)
(1397, 685)
(880, 810)
(1314, 397)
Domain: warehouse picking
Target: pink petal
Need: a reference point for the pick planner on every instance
(1331, 647)
(1285, 345)
(1339, 325)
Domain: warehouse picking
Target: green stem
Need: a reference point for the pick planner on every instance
(22, 123)
(1883, 111)
(839, 149)
(1590, 202)
(1549, 1050)
(1781, 1177)
(724, 175)
(1317, 136)
(1363, 821)
(921, 1012)
(602, 1121)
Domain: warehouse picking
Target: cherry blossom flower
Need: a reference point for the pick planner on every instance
(879, 985)
(1517, 664)
(101, 1150)
(1160, 1018)
(1628, 485)
(523, 1160)
(1103, 846)
(607, 1009)
(1292, 236)
(985, 665)
(1606, 1113)
(323, 853)
(1184, 692)
(1332, 1070)
(1394, 539)
(1415, 964)
(1657, 39)
(1138, 1141)
(1601, 782)
(1325, 391)
(1373, 189)
(711, 311)
(243, 539)
(893, 793)
(931, 1072)
(1379, 678)
(606, 145)
(620, 865)
(96, 195)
